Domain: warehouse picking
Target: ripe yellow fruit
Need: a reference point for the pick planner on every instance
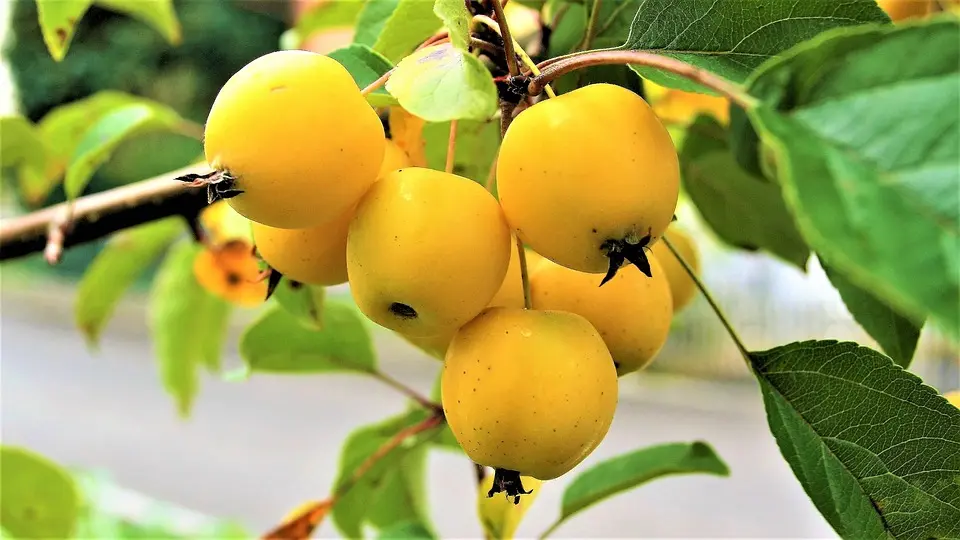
(682, 288)
(500, 515)
(953, 397)
(632, 312)
(586, 177)
(899, 10)
(679, 107)
(393, 158)
(426, 251)
(316, 255)
(528, 392)
(293, 134)
(510, 294)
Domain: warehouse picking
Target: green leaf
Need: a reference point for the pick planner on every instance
(732, 37)
(409, 530)
(23, 148)
(392, 490)
(105, 136)
(441, 83)
(628, 471)
(876, 450)
(445, 439)
(402, 28)
(373, 17)
(188, 325)
(456, 19)
(570, 23)
(867, 157)
(476, 148)
(126, 256)
(158, 14)
(744, 211)
(323, 16)
(58, 20)
(278, 342)
(366, 66)
(38, 498)
(303, 301)
(897, 335)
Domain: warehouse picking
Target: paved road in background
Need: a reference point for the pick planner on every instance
(254, 450)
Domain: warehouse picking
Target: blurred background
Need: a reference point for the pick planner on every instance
(254, 450)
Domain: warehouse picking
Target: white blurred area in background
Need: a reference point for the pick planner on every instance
(771, 303)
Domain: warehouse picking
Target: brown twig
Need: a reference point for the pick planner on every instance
(421, 400)
(395, 441)
(512, 65)
(57, 234)
(550, 72)
(98, 215)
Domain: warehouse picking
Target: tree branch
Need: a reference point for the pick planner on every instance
(512, 66)
(101, 214)
(559, 67)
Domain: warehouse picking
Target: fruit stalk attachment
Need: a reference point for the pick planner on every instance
(508, 482)
(551, 70)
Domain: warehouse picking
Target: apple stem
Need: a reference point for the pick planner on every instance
(710, 300)
(524, 275)
(451, 147)
(372, 87)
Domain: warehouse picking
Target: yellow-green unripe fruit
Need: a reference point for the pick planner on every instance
(587, 177)
(293, 134)
(426, 251)
(528, 392)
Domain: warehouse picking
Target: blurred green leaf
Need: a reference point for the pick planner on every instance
(876, 450)
(745, 211)
(23, 148)
(38, 498)
(456, 19)
(373, 17)
(366, 66)
(159, 14)
(407, 529)
(392, 490)
(322, 16)
(476, 148)
(99, 142)
(867, 157)
(897, 335)
(127, 255)
(399, 26)
(731, 37)
(441, 83)
(278, 342)
(628, 471)
(303, 301)
(188, 324)
(65, 126)
(58, 21)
